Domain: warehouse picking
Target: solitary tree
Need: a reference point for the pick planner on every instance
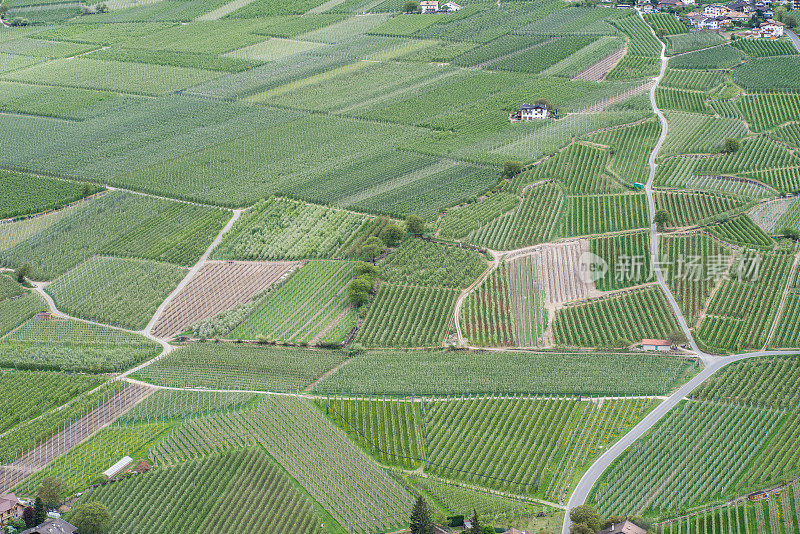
(512, 168)
(585, 515)
(372, 248)
(476, 527)
(392, 235)
(730, 145)
(39, 512)
(790, 233)
(22, 272)
(676, 337)
(91, 518)
(415, 225)
(421, 522)
(661, 32)
(662, 218)
(50, 491)
(411, 7)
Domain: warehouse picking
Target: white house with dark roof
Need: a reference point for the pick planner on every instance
(429, 6)
(529, 112)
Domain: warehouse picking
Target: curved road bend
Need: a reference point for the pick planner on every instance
(712, 363)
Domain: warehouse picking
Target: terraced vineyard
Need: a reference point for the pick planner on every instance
(305, 261)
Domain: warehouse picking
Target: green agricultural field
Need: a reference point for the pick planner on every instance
(303, 309)
(400, 373)
(121, 292)
(769, 74)
(17, 310)
(248, 367)
(757, 280)
(535, 220)
(243, 156)
(665, 453)
(422, 263)
(234, 479)
(122, 224)
(666, 21)
(74, 346)
(407, 316)
(618, 320)
(28, 194)
(600, 214)
(29, 394)
(486, 316)
(691, 260)
(717, 57)
(686, 42)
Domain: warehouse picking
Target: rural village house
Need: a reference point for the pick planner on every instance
(626, 527)
(429, 6)
(54, 526)
(452, 6)
(656, 344)
(10, 508)
(529, 112)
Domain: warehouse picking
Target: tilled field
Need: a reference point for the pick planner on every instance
(219, 286)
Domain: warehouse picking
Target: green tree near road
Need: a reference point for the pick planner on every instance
(585, 515)
(662, 218)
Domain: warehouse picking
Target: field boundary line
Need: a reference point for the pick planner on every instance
(493, 266)
(779, 312)
(148, 330)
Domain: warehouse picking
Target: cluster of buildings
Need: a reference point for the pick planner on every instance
(432, 6)
(717, 17)
(11, 507)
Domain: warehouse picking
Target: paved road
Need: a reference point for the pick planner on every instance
(795, 39)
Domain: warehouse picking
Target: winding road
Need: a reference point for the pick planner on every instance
(711, 363)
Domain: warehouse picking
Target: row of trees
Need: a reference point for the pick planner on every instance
(366, 274)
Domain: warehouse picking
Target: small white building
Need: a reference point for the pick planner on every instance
(118, 467)
(429, 6)
(661, 345)
(451, 6)
(775, 28)
(534, 112)
(715, 10)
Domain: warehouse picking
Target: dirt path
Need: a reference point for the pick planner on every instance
(497, 256)
(148, 330)
(599, 71)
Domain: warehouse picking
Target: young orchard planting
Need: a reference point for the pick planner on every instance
(307, 262)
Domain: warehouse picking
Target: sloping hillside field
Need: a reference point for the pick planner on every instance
(399, 267)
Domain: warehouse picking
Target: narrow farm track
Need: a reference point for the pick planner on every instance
(148, 330)
(464, 294)
(712, 363)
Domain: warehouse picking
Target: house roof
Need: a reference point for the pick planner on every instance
(8, 502)
(528, 106)
(626, 527)
(56, 526)
(656, 342)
